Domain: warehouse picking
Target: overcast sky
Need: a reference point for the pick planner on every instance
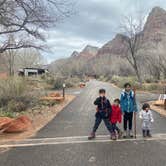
(95, 22)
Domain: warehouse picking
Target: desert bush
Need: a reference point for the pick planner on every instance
(120, 81)
(104, 78)
(58, 82)
(9, 114)
(153, 87)
(71, 82)
(151, 80)
(11, 88)
(13, 96)
(48, 103)
(16, 106)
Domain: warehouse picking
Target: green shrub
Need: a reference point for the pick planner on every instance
(4, 113)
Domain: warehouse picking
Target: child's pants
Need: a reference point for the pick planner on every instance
(106, 122)
(146, 125)
(115, 128)
(128, 120)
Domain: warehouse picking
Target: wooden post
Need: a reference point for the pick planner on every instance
(135, 116)
(64, 86)
(135, 125)
(165, 99)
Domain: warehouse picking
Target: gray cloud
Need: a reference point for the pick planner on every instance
(95, 23)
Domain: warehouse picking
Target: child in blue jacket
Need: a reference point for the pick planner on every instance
(128, 106)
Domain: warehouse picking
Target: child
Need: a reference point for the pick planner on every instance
(147, 119)
(103, 111)
(128, 106)
(115, 117)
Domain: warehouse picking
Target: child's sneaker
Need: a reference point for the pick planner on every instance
(125, 134)
(144, 133)
(130, 134)
(149, 134)
(92, 136)
(113, 136)
(120, 133)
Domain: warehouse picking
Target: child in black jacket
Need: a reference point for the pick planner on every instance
(102, 113)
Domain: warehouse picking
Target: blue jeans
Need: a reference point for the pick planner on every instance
(106, 122)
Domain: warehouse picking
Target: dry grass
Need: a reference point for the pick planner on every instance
(40, 117)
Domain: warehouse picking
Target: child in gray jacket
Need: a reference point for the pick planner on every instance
(147, 119)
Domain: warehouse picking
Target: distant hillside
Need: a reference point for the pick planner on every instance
(117, 46)
(91, 59)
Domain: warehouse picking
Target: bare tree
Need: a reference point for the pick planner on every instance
(9, 57)
(132, 29)
(155, 56)
(28, 57)
(28, 20)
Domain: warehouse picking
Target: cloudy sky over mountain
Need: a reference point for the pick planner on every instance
(95, 22)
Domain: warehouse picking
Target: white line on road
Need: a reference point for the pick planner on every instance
(76, 140)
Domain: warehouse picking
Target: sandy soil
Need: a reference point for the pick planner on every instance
(158, 109)
(39, 117)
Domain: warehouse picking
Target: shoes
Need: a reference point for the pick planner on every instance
(125, 134)
(149, 134)
(144, 133)
(120, 133)
(113, 136)
(130, 134)
(92, 136)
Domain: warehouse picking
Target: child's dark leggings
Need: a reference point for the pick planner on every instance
(115, 128)
(128, 120)
(106, 122)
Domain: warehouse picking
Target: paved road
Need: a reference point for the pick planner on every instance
(75, 122)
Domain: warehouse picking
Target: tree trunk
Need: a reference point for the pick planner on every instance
(164, 73)
(139, 77)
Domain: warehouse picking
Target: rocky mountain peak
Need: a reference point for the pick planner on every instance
(75, 54)
(89, 51)
(157, 10)
(90, 48)
(155, 24)
(117, 46)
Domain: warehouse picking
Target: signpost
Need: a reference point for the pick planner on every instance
(64, 86)
(165, 99)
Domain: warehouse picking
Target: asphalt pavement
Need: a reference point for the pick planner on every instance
(74, 123)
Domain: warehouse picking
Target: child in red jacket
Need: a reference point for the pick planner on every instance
(115, 117)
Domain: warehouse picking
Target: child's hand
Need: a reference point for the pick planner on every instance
(151, 120)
